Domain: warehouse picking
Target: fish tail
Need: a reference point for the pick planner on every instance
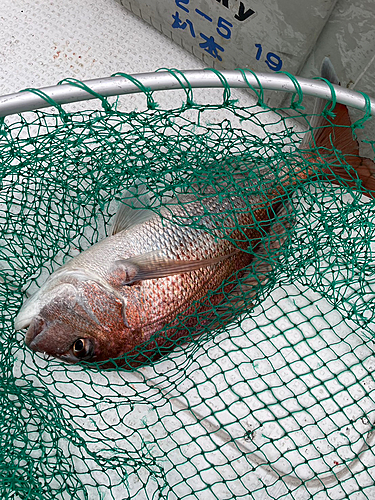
(335, 135)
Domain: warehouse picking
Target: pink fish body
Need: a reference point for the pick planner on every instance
(118, 293)
(159, 270)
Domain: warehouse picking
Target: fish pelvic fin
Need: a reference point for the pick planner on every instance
(155, 265)
(333, 137)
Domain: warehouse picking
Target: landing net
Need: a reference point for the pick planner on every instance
(275, 402)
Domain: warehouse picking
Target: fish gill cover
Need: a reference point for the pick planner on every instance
(266, 393)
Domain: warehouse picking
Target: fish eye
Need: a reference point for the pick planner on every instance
(83, 348)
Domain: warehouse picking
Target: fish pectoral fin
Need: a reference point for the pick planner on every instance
(134, 211)
(154, 265)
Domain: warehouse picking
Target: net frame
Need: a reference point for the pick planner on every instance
(70, 90)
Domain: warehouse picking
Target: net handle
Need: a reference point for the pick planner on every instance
(163, 80)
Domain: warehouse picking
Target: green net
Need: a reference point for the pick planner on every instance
(267, 393)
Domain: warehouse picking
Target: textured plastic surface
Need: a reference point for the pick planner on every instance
(258, 34)
(43, 42)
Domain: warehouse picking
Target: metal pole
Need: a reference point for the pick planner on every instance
(163, 80)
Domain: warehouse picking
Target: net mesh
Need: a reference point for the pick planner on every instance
(274, 401)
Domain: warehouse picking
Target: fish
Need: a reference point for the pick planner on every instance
(162, 276)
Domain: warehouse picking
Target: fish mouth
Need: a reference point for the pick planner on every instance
(68, 358)
(36, 327)
(35, 340)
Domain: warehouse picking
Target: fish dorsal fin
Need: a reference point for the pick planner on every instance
(134, 211)
(155, 265)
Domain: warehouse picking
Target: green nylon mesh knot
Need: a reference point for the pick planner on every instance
(151, 104)
(259, 92)
(295, 104)
(276, 402)
(184, 84)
